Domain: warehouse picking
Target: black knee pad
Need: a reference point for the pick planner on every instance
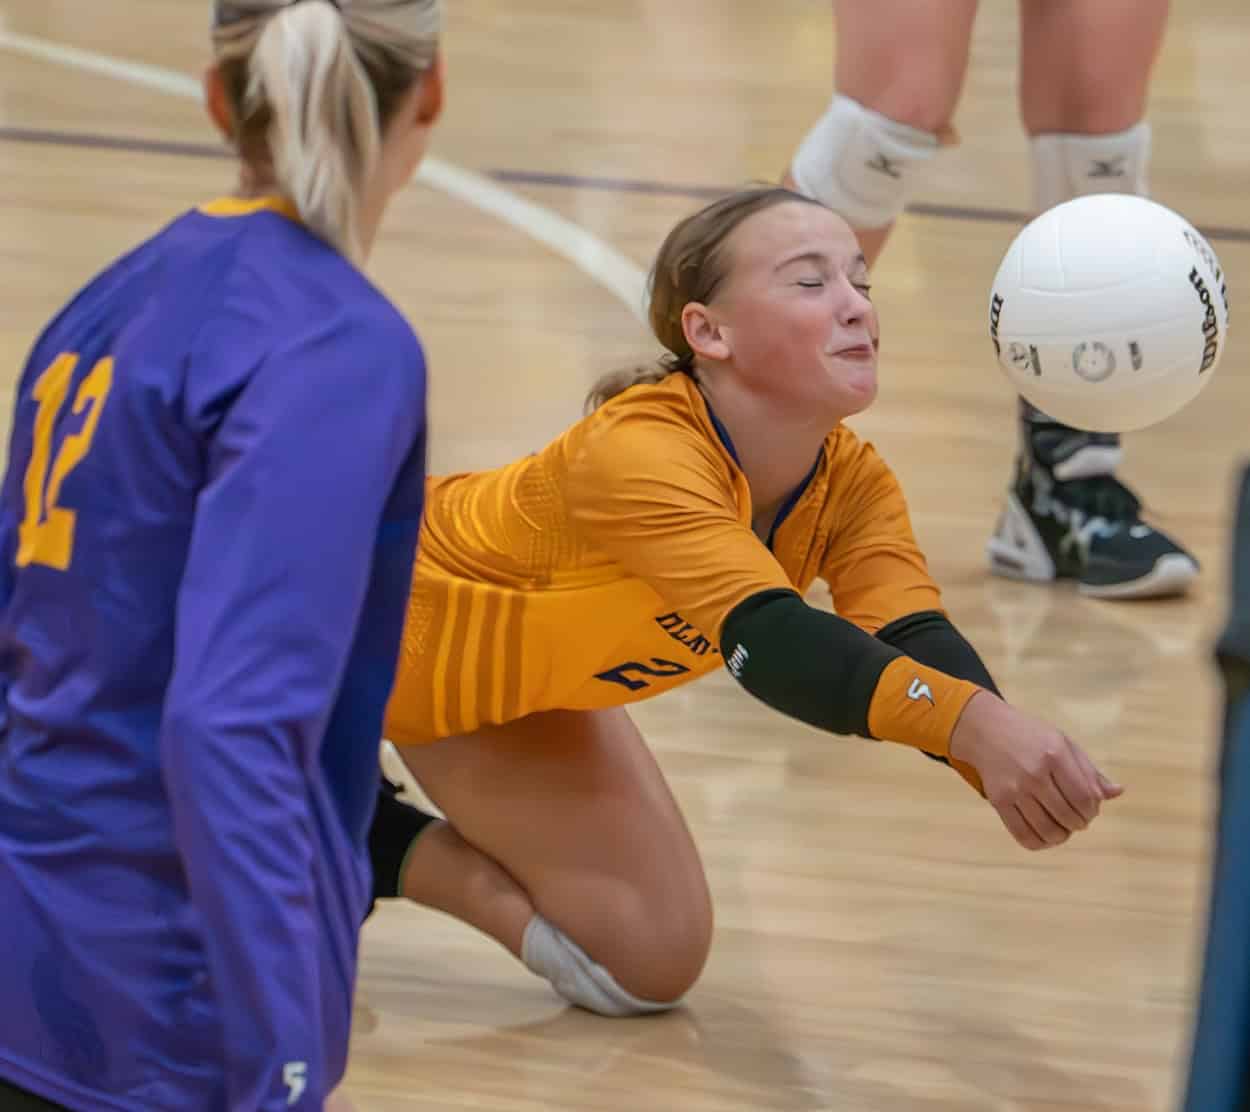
(394, 828)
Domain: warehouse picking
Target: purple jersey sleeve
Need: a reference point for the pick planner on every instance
(304, 535)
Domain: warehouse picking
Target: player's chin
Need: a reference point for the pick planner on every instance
(855, 381)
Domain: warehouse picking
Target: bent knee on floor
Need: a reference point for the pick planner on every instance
(630, 964)
(661, 943)
(663, 965)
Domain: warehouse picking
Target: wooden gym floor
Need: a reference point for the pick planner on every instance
(882, 944)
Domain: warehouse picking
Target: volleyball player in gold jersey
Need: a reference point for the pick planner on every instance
(671, 532)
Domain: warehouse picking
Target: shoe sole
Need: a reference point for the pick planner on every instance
(1171, 575)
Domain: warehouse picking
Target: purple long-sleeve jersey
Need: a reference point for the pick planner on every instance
(207, 530)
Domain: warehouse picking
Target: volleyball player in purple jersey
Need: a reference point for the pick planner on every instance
(207, 529)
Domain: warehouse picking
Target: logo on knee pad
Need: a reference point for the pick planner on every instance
(883, 165)
(1107, 167)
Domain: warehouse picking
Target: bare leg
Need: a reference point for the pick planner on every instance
(565, 814)
(1084, 82)
(1085, 64)
(905, 59)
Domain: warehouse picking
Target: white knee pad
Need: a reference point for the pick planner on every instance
(1067, 166)
(555, 957)
(860, 163)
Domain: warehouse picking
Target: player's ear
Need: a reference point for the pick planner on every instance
(217, 102)
(703, 332)
(433, 92)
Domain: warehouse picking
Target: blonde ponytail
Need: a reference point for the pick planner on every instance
(313, 84)
(323, 134)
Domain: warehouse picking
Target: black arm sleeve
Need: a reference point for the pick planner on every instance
(930, 638)
(804, 662)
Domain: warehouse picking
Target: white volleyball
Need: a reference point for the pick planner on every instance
(1109, 312)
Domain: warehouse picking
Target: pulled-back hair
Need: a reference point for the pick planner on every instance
(312, 86)
(690, 266)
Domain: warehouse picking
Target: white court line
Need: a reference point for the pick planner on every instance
(607, 266)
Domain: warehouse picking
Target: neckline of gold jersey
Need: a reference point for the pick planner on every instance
(245, 206)
(706, 416)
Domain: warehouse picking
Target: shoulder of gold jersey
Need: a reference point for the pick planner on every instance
(843, 442)
(674, 398)
(649, 418)
(659, 437)
(853, 475)
(853, 457)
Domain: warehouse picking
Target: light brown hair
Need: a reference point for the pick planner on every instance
(690, 266)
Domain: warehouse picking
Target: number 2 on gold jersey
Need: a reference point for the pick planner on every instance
(46, 535)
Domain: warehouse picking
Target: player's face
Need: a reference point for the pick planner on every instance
(795, 312)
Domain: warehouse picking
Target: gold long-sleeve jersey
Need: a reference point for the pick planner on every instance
(598, 571)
